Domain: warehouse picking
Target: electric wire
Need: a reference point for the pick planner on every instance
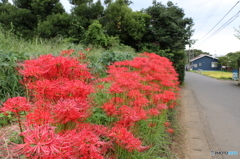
(226, 24)
(221, 19)
(222, 27)
(210, 13)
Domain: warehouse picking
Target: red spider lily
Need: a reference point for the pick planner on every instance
(51, 68)
(165, 97)
(70, 110)
(88, 49)
(140, 102)
(67, 52)
(125, 139)
(167, 124)
(81, 55)
(100, 86)
(170, 131)
(61, 88)
(39, 116)
(110, 109)
(86, 141)
(135, 94)
(151, 125)
(153, 112)
(128, 116)
(41, 142)
(140, 82)
(16, 105)
(161, 106)
(99, 130)
(172, 106)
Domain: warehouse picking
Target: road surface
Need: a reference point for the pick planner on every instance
(219, 107)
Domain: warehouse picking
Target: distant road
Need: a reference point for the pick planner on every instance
(220, 107)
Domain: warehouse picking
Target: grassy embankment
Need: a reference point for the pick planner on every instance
(13, 50)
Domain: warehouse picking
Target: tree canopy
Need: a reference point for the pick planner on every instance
(231, 59)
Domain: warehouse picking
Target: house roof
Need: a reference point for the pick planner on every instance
(201, 56)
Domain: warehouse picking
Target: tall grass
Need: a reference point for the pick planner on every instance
(37, 46)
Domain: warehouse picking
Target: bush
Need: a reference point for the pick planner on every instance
(95, 35)
(107, 58)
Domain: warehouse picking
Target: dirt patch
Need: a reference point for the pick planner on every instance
(179, 140)
(8, 134)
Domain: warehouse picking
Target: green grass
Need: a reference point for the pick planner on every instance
(218, 74)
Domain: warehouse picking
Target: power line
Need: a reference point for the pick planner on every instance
(210, 16)
(226, 24)
(221, 19)
(222, 27)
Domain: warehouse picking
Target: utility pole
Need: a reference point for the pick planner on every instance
(189, 55)
(238, 71)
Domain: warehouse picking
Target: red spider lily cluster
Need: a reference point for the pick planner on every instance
(58, 105)
(141, 88)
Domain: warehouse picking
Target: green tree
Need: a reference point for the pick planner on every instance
(4, 1)
(87, 12)
(80, 2)
(169, 28)
(95, 35)
(40, 8)
(19, 21)
(119, 20)
(106, 2)
(231, 59)
(63, 25)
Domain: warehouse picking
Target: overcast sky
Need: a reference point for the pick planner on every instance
(206, 14)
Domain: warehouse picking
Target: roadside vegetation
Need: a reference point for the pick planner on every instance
(150, 135)
(69, 76)
(127, 112)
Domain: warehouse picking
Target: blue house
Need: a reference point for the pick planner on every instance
(204, 62)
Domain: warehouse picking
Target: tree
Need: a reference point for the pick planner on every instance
(87, 12)
(63, 25)
(127, 2)
(19, 21)
(95, 35)
(40, 8)
(119, 20)
(231, 59)
(169, 28)
(80, 2)
(4, 1)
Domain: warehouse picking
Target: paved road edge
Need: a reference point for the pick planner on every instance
(199, 138)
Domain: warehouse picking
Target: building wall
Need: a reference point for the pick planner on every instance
(206, 63)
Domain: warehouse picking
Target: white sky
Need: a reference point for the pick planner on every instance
(206, 14)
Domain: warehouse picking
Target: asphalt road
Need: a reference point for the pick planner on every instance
(220, 108)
